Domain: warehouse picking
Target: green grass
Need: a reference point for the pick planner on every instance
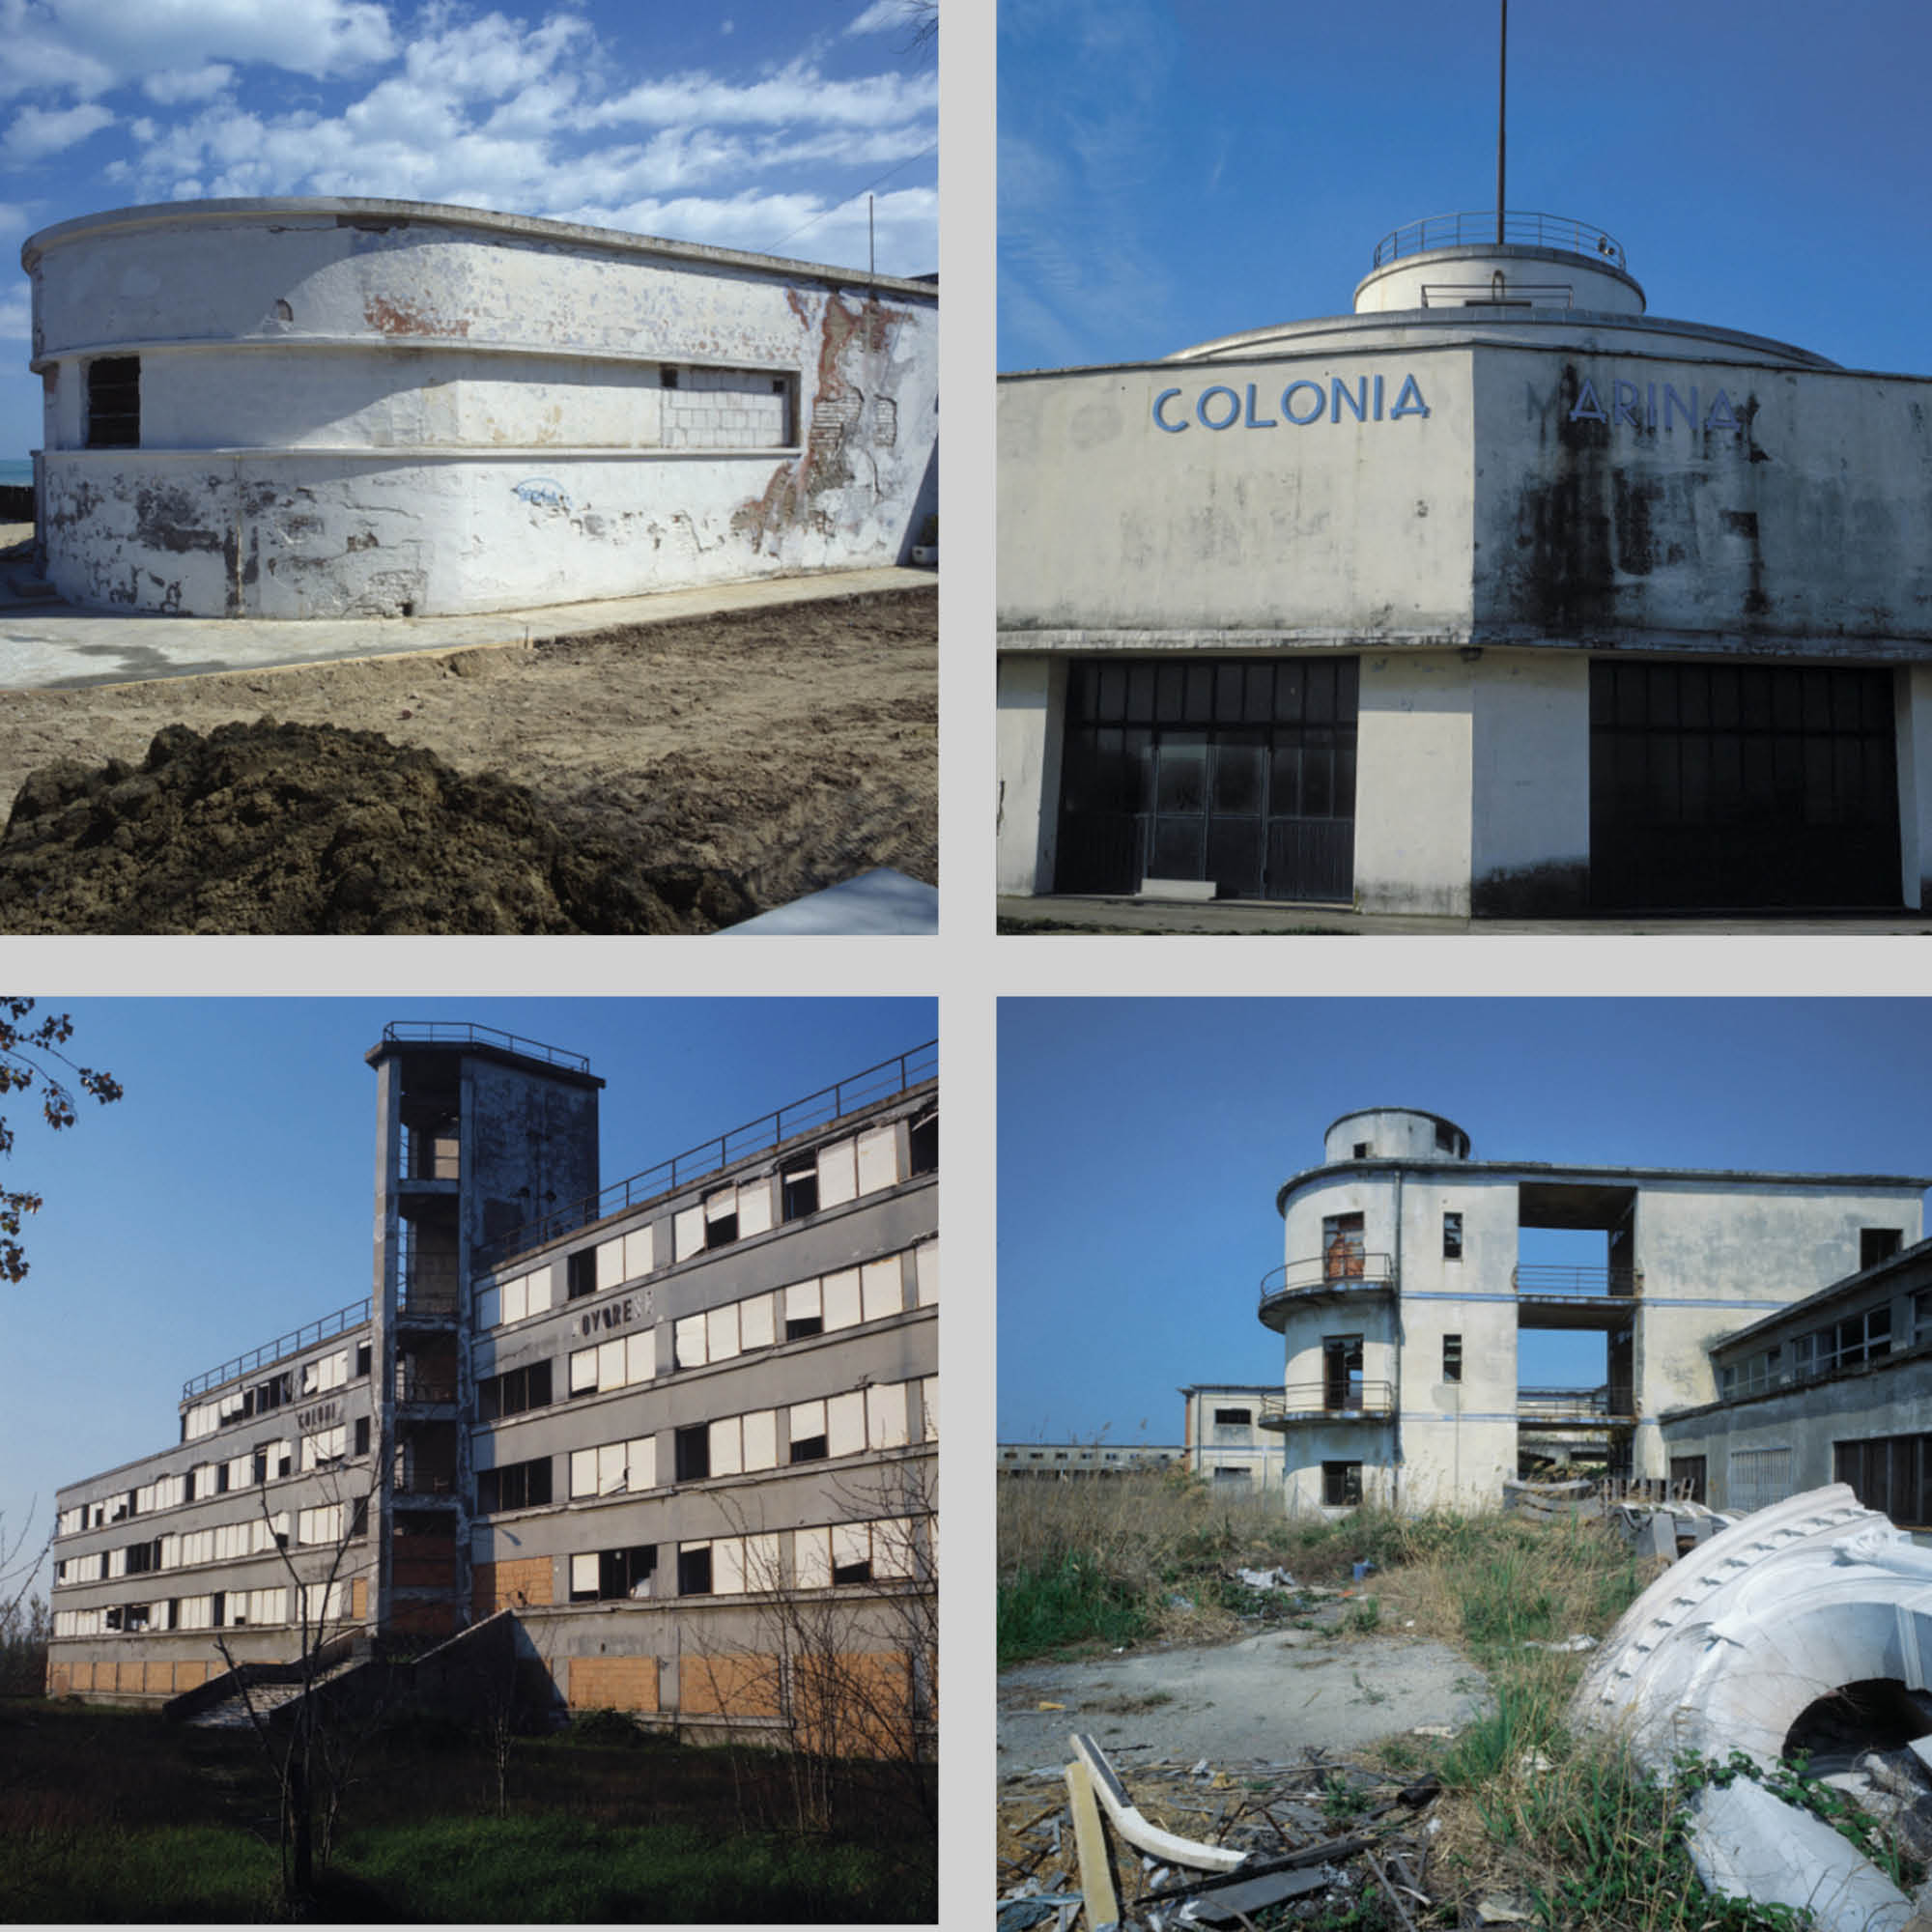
(1074, 1602)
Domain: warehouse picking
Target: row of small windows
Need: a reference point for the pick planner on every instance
(220, 1543)
(265, 1462)
(864, 1420)
(841, 1171)
(221, 1609)
(1847, 1343)
(313, 1377)
(825, 1556)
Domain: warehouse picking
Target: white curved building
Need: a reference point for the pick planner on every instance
(329, 407)
(1404, 1291)
(1496, 596)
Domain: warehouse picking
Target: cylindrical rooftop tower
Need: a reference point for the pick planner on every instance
(1537, 262)
(1395, 1133)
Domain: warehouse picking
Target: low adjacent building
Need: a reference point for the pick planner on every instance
(655, 1421)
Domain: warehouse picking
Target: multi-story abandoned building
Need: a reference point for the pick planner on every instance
(649, 1419)
(1499, 595)
(1402, 1296)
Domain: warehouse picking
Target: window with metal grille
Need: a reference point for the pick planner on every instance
(1891, 1473)
(1759, 1478)
(114, 403)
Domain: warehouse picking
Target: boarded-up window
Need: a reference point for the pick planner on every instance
(692, 1352)
(611, 1363)
(842, 1308)
(610, 1269)
(114, 403)
(754, 1207)
(728, 1447)
(878, 1159)
(721, 1332)
(929, 1397)
(886, 1416)
(754, 1321)
(641, 1361)
(812, 1558)
(837, 1174)
(883, 1289)
(762, 1440)
(807, 1425)
(1758, 1478)
(583, 1372)
(804, 1310)
(689, 1227)
(845, 1423)
(926, 1259)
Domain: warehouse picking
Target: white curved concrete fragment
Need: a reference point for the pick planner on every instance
(1735, 1640)
(1745, 1843)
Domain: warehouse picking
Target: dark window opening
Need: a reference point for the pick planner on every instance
(112, 1618)
(137, 1617)
(515, 1486)
(358, 1517)
(514, 1392)
(1361, 1150)
(114, 403)
(860, 1572)
(1452, 1359)
(804, 1324)
(693, 1571)
(801, 1194)
(260, 1472)
(174, 1614)
(363, 1356)
(187, 1487)
(1344, 1257)
(1451, 1237)
(361, 1436)
(693, 1453)
(1890, 1474)
(218, 1609)
(807, 1449)
(221, 1478)
(1878, 1245)
(1234, 1415)
(1340, 1485)
(1342, 1385)
(1445, 1141)
(143, 1556)
(286, 1467)
(924, 1147)
(627, 1573)
(721, 1229)
(581, 1274)
(668, 378)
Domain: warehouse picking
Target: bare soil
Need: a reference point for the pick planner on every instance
(656, 777)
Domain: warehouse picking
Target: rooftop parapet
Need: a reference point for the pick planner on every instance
(1519, 263)
(1481, 229)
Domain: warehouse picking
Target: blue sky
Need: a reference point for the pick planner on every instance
(1141, 1143)
(745, 123)
(226, 1199)
(1169, 174)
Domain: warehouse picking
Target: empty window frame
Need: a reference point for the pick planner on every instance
(1225, 1478)
(1890, 1473)
(114, 403)
(611, 1574)
(581, 1274)
(1865, 1337)
(363, 1356)
(514, 1392)
(797, 1192)
(692, 1453)
(1451, 1237)
(720, 1218)
(1227, 1418)
(361, 1436)
(923, 1143)
(1878, 1245)
(1343, 1257)
(1340, 1485)
(694, 1570)
(515, 1486)
(1452, 1359)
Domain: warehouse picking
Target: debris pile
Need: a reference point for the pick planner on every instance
(1656, 1518)
(270, 828)
(1194, 1845)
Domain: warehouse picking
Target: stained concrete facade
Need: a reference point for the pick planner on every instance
(1625, 612)
(321, 407)
(1836, 1388)
(1226, 1444)
(654, 1423)
(1401, 1298)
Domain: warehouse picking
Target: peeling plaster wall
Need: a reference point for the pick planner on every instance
(379, 409)
(1371, 1444)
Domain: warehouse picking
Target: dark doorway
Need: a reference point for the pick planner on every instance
(1756, 788)
(1241, 771)
(1342, 1372)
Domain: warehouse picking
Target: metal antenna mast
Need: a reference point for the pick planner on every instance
(1502, 115)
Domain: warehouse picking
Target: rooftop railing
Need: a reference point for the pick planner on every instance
(1327, 1274)
(459, 1032)
(1604, 1404)
(1518, 230)
(890, 1078)
(1560, 1278)
(344, 1319)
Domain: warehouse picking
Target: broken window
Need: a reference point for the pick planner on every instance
(363, 1356)
(808, 1442)
(361, 1436)
(692, 1448)
(1342, 1372)
(1340, 1485)
(800, 1193)
(1224, 1416)
(1858, 1339)
(1361, 1150)
(1452, 1359)
(581, 1274)
(1343, 1259)
(720, 1218)
(667, 377)
(515, 1486)
(1890, 1473)
(1451, 1237)
(1687, 1478)
(925, 1144)
(1229, 1478)
(1878, 1245)
(613, 1574)
(804, 1310)
(114, 403)
(514, 1392)
(1445, 1140)
(694, 1570)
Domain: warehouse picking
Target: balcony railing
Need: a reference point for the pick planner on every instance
(1327, 1402)
(343, 1319)
(1605, 1403)
(883, 1082)
(1560, 1278)
(1519, 230)
(1328, 1274)
(459, 1032)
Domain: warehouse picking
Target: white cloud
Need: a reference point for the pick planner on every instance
(92, 45)
(727, 26)
(36, 132)
(177, 85)
(12, 216)
(17, 321)
(881, 17)
(798, 92)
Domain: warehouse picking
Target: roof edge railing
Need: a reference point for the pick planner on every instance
(1519, 230)
(462, 1033)
(873, 1084)
(353, 1315)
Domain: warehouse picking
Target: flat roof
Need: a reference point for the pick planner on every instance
(377, 215)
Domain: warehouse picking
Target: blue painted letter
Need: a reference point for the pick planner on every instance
(1254, 421)
(1623, 404)
(1229, 420)
(1587, 409)
(1721, 417)
(1287, 402)
(1160, 421)
(1404, 406)
(1358, 403)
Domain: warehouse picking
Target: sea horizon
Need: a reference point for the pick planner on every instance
(16, 470)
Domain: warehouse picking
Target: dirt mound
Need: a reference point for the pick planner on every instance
(272, 828)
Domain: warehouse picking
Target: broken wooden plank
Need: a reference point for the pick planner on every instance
(1097, 1877)
(1143, 1836)
(1330, 1851)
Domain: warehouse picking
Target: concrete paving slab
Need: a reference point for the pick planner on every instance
(1078, 915)
(53, 647)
